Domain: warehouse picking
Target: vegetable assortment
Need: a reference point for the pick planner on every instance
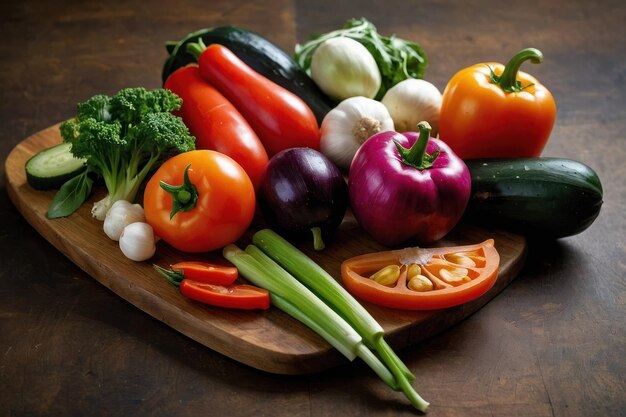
(239, 124)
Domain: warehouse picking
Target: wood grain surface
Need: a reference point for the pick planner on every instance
(265, 340)
(550, 344)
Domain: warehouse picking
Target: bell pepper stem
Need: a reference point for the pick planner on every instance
(184, 196)
(508, 79)
(196, 48)
(416, 156)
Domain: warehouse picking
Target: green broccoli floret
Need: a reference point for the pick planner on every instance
(97, 107)
(124, 137)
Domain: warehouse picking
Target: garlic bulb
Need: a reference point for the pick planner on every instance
(121, 214)
(343, 67)
(347, 126)
(412, 101)
(137, 241)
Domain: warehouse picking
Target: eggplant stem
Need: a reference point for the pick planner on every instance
(318, 241)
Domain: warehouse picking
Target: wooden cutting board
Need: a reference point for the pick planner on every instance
(268, 340)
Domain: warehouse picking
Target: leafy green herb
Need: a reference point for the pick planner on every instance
(70, 196)
(397, 59)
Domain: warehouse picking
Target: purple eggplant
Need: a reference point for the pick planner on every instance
(303, 192)
(408, 186)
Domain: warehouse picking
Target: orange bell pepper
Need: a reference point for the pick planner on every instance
(491, 110)
(423, 279)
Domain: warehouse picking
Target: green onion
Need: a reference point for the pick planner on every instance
(295, 299)
(327, 288)
(331, 292)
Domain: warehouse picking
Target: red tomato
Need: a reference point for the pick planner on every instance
(240, 296)
(455, 275)
(216, 123)
(280, 118)
(218, 214)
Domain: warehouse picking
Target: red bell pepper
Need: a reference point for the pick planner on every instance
(280, 118)
(216, 123)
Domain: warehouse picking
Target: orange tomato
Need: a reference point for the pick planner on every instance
(455, 275)
(217, 214)
(485, 115)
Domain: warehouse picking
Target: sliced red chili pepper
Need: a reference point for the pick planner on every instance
(206, 272)
(239, 296)
(199, 271)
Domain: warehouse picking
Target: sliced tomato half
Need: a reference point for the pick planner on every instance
(445, 277)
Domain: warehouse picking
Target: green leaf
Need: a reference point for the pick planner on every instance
(70, 196)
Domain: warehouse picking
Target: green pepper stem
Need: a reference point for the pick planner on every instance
(508, 79)
(196, 48)
(416, 156)
(174, 277)
(184, 197)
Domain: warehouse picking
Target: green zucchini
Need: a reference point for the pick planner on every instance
(546, 197)
(52, 167)
(261, 55)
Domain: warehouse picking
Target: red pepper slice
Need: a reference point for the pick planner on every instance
(240, 296)
(206, 272)
(457, 275)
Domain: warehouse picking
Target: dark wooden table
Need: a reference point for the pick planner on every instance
(551, 344)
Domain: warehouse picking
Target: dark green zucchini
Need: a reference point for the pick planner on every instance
(261, 55)
(52, 167)
(547, 197)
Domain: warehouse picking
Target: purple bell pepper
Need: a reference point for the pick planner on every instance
(408, 186)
